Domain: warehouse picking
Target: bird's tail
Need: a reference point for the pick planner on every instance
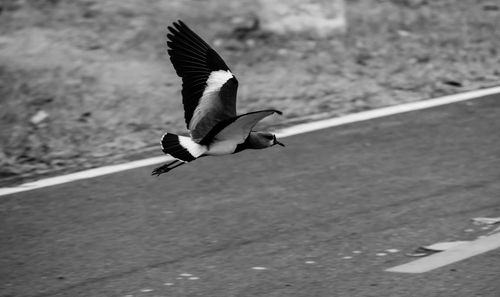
(181, 147)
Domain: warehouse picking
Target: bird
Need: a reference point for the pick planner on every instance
(209, 91)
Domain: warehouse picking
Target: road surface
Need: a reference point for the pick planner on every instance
(316, 218)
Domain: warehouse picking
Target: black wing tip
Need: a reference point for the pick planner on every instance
(176, 27)
(178, 22)
(278, 111)
(179, 25)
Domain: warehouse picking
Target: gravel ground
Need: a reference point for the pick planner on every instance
(88, 82)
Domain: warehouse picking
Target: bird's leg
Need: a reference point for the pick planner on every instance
(166, 167)
(180, 163)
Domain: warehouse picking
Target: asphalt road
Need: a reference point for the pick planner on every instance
(392, 183)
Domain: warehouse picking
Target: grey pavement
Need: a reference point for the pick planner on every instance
(298, 213)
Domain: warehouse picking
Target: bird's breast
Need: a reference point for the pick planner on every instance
(224, 147)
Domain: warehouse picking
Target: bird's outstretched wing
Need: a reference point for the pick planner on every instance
(237, 128)
(208, 86)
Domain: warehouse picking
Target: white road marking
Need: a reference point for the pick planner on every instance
(286, 132)
(443, 246)
(452, 255)
(259, 268)
(386, 111)
(486, 221)
(392, 251)
(146, 290)
(57, 180)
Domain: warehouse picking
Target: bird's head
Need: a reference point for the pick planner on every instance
(265, 139)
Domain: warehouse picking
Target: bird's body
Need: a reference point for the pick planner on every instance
(220, 148)
(209, 98)
(216, 148)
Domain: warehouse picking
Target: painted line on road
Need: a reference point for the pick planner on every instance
(385, 111)
(455, 254)
(286, 132)
(90, 173)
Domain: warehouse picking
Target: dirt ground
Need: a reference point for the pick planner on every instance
(86, 82)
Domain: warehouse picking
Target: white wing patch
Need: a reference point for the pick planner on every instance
(195, 149)
(216, 80)
(210, 106)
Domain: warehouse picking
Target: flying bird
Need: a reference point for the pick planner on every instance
(209, 98)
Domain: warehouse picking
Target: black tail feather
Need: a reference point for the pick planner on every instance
(171, 145)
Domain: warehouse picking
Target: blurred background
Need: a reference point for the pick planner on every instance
(85, 83)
